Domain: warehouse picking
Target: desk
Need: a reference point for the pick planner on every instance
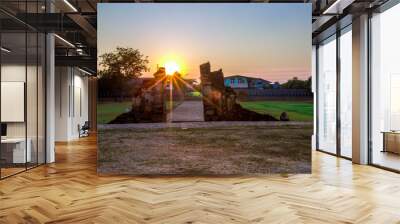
(19, 155)
(391, 141)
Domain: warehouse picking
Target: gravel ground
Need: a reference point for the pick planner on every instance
(205, 148)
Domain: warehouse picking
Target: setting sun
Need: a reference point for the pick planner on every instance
(171, 67)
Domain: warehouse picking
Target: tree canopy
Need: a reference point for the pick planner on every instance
(124, 63)
(118, 69)
(296, 83)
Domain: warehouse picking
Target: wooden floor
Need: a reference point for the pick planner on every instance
(70, 191)
(5, 172)
(387, 159)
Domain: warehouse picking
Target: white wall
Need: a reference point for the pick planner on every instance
(71, 102)
(80, 112)
(33, 126)
(62, 83)
(12, 73)
(13, 101)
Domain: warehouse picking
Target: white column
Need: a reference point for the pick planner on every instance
(360, 90)
(50, 98)
(314, 91)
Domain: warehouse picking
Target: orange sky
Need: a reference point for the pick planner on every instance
(269, 41)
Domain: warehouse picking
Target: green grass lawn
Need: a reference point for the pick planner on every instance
(107, 111)
(297, 110)
(194, 94)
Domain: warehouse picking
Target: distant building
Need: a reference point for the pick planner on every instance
(245, 82)
(276, 85)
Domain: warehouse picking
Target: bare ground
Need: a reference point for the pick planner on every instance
(205, 150)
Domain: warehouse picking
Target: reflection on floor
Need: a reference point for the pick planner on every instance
(10, 171)
(70, 191)
(387, 159)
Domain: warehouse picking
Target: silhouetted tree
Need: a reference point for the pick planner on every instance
(308, 84)
(118, 68)
(296, 83)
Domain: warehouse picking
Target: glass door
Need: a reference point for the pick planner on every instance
(346, 92)
(385, 89)
(327, 95)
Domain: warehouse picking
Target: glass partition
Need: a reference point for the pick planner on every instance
(41, 96)
(14, 153)
(22, 88)
(346, 92)
(385, 89)
(327, 95)
(31, 97)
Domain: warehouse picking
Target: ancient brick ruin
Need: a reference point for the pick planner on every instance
(220, 101)
(148, 104)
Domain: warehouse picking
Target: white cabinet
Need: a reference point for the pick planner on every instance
(19, 155)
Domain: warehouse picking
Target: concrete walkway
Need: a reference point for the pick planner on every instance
(187, 111)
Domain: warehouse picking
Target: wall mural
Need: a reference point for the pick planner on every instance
(204, 89)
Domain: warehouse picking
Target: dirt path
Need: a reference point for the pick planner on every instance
(187, 111)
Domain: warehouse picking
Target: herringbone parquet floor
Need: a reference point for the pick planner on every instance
(70, 191)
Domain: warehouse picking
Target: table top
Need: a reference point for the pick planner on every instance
(13, 140)
(391, 132)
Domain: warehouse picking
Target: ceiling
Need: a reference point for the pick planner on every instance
(75, 21)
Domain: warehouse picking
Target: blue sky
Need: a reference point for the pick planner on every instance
(270, 41)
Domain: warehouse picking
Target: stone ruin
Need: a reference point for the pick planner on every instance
(220, 102)
(148, 103)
